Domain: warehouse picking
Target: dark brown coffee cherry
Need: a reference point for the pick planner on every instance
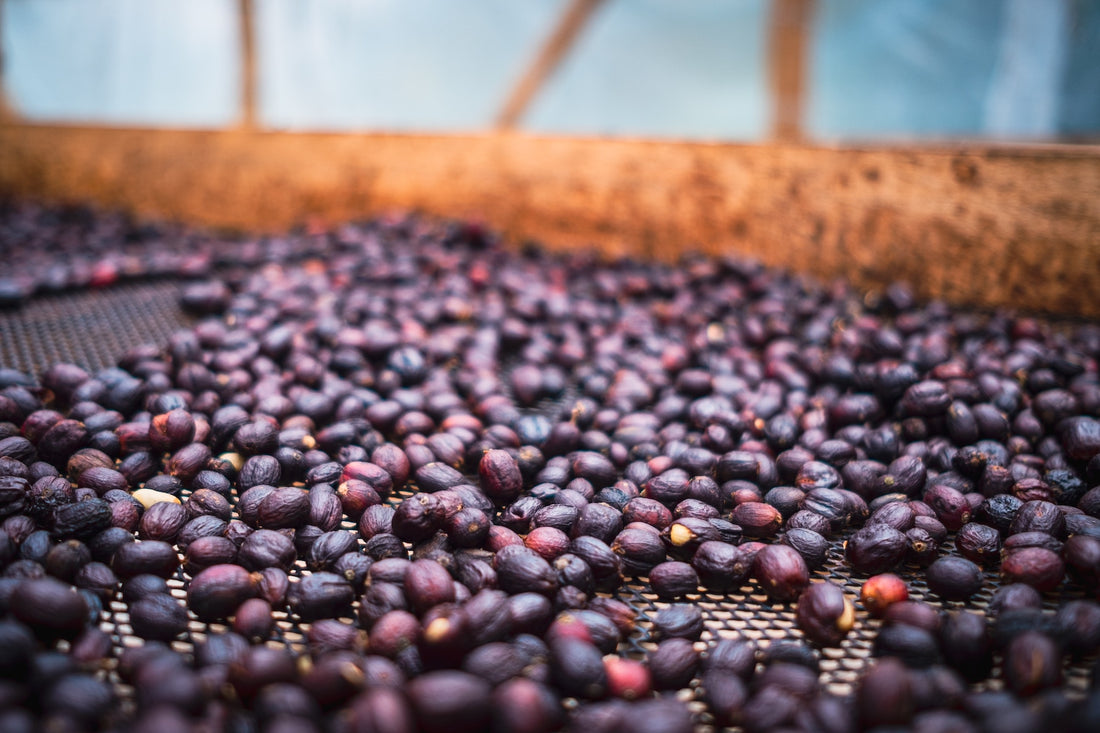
(1038, 567)
(824, 614)
(954, 578)
(1032, 662)
(673, 579)
(50, 608)
(875, 548)
(781, 572)
(215, 593)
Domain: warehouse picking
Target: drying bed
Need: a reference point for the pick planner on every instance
(96, 328)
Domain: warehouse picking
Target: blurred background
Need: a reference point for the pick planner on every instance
(728, 70)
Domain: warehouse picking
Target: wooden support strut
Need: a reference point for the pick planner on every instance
(553, 50)
(248, 64)
(7, 112)
(789, 31)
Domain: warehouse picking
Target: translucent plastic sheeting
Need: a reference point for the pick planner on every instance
(1019, 69)
(420, 65)
(664, 68)
(877, 69)
(132, 62)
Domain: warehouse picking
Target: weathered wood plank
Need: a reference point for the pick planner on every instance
(1013, 226)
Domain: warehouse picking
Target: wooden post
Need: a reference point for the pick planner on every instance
(553, 50)
(248, 65)
(787, 59)
(7, 112)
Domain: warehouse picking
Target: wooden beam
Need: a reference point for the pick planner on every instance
(788, 56)
(985, 225)
(247, 19)
(553, 50)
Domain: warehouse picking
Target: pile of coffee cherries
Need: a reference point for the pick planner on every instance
(58, 250)
(440, 458)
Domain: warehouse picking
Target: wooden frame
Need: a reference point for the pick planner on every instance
(983, 225)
